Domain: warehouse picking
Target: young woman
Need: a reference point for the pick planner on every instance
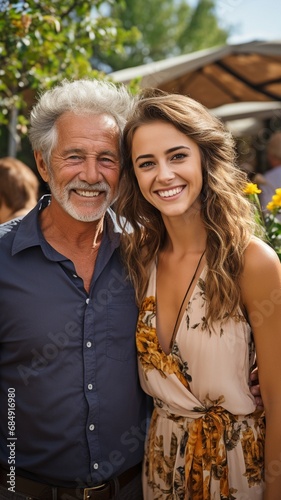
(209, 293)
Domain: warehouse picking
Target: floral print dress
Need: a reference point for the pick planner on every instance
(206, 438)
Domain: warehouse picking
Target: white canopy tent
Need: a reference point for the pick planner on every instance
(229, 74)
(247, 118)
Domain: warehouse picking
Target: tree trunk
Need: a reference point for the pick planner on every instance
(13, 138)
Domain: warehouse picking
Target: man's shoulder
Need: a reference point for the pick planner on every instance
(20, 233)
(9, 228)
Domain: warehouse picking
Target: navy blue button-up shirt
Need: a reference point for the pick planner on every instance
(67, 360)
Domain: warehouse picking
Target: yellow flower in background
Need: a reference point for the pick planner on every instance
(269, 224)
(275, 202)
(271, 206)
(251, 188)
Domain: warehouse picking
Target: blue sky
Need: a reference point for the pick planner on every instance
(250, 19)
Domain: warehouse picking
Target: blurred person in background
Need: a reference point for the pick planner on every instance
(19, 189)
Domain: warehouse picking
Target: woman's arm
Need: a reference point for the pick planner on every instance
(261, 295)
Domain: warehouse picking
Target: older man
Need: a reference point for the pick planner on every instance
(73, 416)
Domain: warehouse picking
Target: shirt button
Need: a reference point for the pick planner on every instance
(96, 466)
(92, 427)
(90, 387)
(87, 300)
(74, 275)
(89, 344)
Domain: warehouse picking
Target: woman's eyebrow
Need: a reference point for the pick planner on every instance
(170, 150)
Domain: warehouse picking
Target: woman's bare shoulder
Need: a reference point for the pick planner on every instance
(259, 256)
(262, 271)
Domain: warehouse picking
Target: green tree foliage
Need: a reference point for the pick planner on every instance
(203, 30)
(168, 28)
(44, 41)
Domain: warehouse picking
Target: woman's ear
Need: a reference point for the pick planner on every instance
(41, 166)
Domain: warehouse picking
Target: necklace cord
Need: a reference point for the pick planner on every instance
(183, 300)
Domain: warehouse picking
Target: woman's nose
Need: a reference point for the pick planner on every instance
(164, 172)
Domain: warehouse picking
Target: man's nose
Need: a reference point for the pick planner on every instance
(90, 172)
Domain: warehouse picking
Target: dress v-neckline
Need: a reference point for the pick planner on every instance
(188, 302)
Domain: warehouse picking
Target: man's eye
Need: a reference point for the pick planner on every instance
(106, 159)
(74, 157)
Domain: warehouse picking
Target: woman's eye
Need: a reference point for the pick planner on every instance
(146, 164)
(179, 156)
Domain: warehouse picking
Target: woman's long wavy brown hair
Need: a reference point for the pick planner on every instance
(225, 211)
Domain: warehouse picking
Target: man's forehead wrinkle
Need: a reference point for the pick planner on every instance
(87, 151)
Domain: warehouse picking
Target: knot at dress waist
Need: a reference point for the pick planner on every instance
(206, 438)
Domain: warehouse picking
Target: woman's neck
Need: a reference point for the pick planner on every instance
(185, 235)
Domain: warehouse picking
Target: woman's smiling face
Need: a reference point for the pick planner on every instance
(167, 165)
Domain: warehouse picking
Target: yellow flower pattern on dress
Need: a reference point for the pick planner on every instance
(152, 357)
(189, 447)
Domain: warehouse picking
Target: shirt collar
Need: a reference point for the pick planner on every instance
(29, 233)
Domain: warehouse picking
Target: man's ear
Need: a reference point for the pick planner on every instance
(41, 166)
